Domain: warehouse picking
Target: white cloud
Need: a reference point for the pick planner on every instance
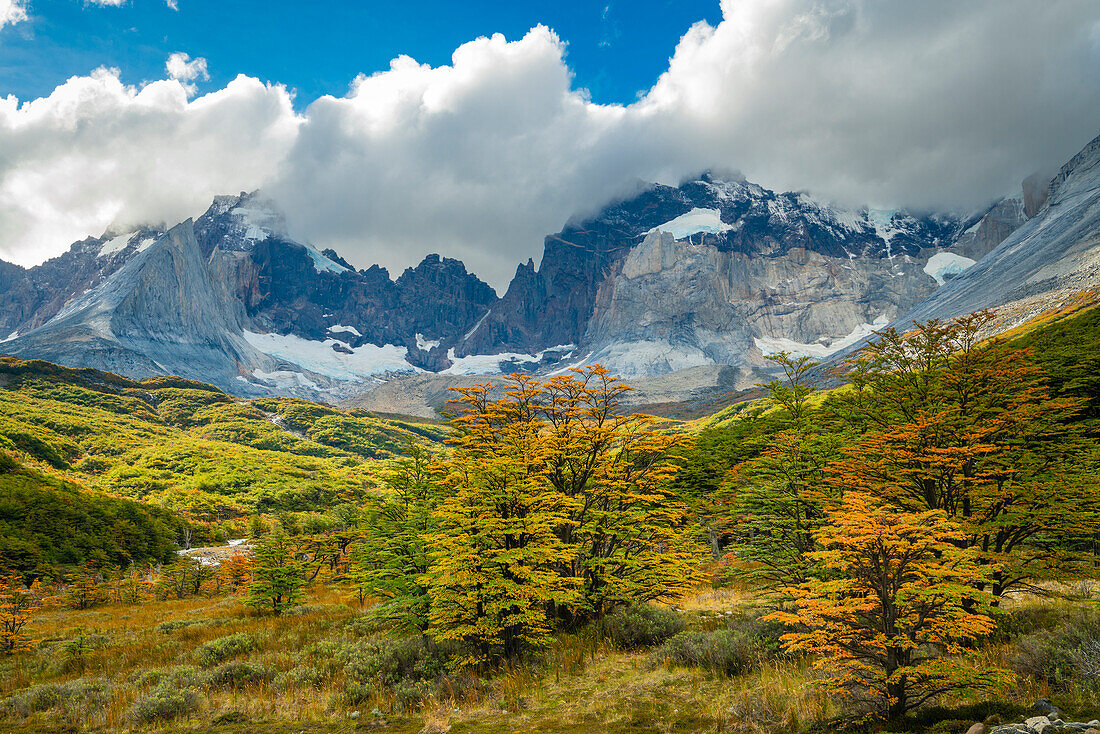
(12, 12)
(183, 69)
(107, 3)
(97, 152)
(172, 4)
(886, 102)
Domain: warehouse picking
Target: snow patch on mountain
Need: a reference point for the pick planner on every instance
(696, 221)
(320, 357)
(258, 219)
(769, 345)
(145, 244)
(491, 364)
(116, 244)
(322, 263)
(426, 345)
(882, 220)
(10, 337)
(340, 328)
(284, 379)
(944, 265)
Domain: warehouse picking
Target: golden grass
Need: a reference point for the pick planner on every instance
(582, 685)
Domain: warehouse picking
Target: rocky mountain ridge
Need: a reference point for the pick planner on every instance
(709, 277)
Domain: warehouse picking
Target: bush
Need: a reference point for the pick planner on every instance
(181, 677)
(1069, 652)
(640, 625)
(1026, 620)
(71, 697)
(223, 648)
(388, 662)
(302, 677)
(163, 703)
(237, 675)
(727, 652)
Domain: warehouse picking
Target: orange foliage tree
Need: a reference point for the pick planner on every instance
(16, 606)
(893, 602)
(966, 425)
(554, 510)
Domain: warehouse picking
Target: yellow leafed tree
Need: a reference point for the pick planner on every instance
(894, 604)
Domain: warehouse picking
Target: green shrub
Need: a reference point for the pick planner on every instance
(71, 696)
(640, 625)
(179, 677)
(388, 662)
(356, 693)
(238, 675)
(223, 648)
(163, 703)
(726, 652)
(302, 677)
(1069, 652)
(1026, 620)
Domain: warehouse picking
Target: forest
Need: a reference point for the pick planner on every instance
(910, 542)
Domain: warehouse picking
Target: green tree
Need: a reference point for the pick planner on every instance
(391, 560)
(780, 498)
(276, 574)
(966, 425)
(495, 555)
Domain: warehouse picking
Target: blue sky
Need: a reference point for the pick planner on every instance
(487, 146)
(616, 49)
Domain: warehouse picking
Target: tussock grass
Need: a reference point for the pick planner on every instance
(296, 674)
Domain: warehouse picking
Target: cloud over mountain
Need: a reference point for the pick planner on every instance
(892, 103)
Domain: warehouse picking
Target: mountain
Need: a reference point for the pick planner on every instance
(1046, 263)
(725, 272)
(701, 280)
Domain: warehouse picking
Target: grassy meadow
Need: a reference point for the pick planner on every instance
(550, 563)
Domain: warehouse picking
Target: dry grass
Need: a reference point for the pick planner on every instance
(581, 685)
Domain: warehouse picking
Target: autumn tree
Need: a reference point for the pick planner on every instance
(891, 609)
(966, 425)
(16, 606)
(185, 577)
(628, 535)
(276, 573)
(235, 571)
(495, 555)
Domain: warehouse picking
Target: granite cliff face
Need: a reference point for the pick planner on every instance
(707, 277)
(157, 314)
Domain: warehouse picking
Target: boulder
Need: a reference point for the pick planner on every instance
(1038, 724)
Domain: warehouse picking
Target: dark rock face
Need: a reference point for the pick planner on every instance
(289, 288)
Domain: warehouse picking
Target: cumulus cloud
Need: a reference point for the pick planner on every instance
(107, 3)
(937, 104)
(99, 153)
(12, 12)
(185, 70)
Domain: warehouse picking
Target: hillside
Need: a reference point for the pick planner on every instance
(190, 447)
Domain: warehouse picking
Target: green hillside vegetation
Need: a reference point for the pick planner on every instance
(47, 523)
(191, 447)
